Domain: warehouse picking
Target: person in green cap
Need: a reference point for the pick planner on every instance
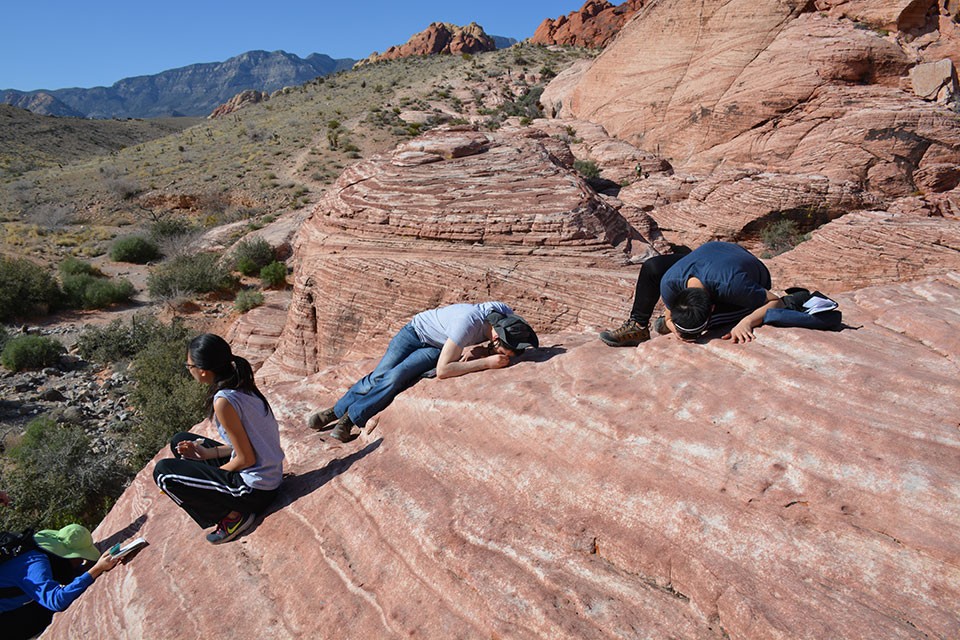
(35, 584)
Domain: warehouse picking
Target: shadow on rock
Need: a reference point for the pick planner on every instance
(542, 354)
(297, 486)
(124, 534)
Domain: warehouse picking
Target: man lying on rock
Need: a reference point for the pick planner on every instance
(718, 284)
(454, 340)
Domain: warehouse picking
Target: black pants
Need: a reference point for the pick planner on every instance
(205, 491)
(25, 622)
(647, 294)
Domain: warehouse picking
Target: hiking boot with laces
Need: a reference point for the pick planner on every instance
(342, 429)
(630, 334)
(322, 420)
(228, 529)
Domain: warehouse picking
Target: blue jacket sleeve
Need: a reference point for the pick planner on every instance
(39, 584)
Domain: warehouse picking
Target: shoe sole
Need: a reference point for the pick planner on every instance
(614, 343)
(246, 524)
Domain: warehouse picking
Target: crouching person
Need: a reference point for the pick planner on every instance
(217, 484)
(52, 571)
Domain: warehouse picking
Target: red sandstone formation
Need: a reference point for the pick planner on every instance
(239, 101)
(594, 25)
(801, 487)
(453, 215)
(439, 37)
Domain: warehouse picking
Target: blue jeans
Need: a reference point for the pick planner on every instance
(406, 360)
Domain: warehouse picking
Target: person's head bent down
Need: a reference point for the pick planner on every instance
(690, 312)
(513, 334)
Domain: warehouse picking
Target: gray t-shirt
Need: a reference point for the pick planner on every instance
(264, 435)
(462, 323)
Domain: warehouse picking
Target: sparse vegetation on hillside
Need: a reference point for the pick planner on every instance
(166, 400)
(267, 157)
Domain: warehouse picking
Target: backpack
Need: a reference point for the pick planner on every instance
(11, 546)
(15, 544)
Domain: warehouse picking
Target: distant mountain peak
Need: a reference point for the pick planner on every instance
(193, 90)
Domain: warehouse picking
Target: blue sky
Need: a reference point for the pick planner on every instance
(56, 44)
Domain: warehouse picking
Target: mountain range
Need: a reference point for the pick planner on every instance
(194, 90)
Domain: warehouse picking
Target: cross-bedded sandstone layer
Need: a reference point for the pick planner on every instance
(801, 486)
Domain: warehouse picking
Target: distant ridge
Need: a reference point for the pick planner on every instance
(194, 90)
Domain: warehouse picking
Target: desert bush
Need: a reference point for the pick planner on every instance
(247, 299)
(167, 398)
(54, 478)
(4, 337)
(30, 352)
(25, 289)
(587, 168)
(781, 236)
(84, 291)
(169, 228)
(134, 249)
(123, 187)
(197, 273)
(251, 255)
(49, 215)
(117, 341)
(74, 266)
(274, 275)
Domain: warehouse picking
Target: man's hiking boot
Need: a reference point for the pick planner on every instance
(322, 420)
(342, 429)
(630, 334)
(228, 529)
(660, 326)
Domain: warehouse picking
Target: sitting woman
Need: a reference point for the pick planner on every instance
(57, 569)
(225, 485)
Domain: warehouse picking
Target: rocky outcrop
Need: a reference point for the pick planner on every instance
(439, 37)
(239, 101)
(594, 25)
(453, 215)
(872, 248)
(801, 486)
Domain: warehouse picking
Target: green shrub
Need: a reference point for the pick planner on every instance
(587, 168)
(56, 479)
(168, 399)
(169, 228)
(198, 273)
(251, 255)
(26, 289)
(118, 341)
(134, 249)
(4, 337)
(74, 266)
(83, 291)
(781, 236)
(30, 352)
(247, 299)
(274, 275)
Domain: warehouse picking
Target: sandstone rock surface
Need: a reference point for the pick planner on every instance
(595, 24)
(439, 37)
(454, 215)
(239, 101)
(801, 486)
